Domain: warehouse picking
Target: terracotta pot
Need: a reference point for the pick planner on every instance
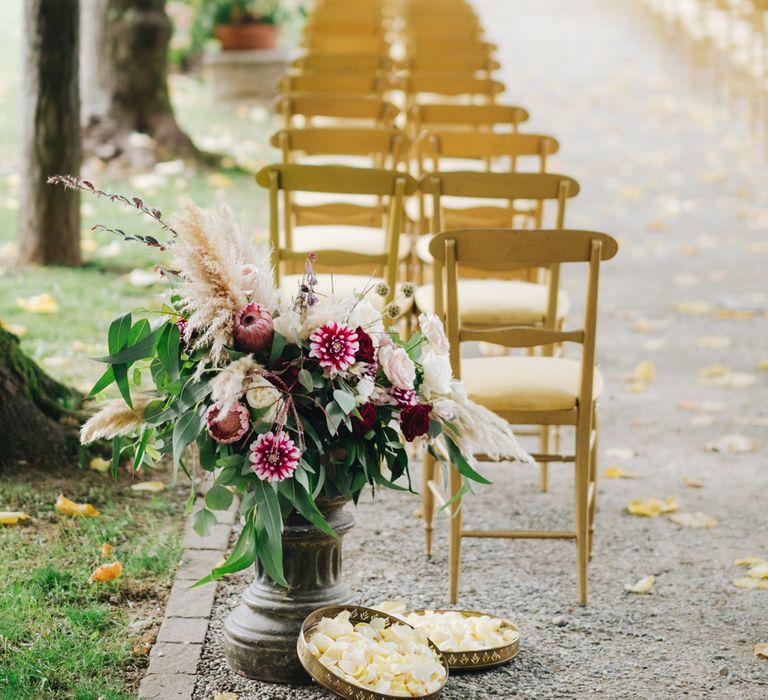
(245, 37)
(260, 635)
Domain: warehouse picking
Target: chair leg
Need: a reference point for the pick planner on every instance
(593, 482)
(428, 501)
(454, 552)
(583, 430)
(544, 431)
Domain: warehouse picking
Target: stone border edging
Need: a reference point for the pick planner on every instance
(173, 660)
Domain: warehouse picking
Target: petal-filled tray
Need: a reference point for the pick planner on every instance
(377, 628)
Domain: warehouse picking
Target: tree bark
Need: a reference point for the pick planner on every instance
(49, 217)
(38, 425)
(124, 78)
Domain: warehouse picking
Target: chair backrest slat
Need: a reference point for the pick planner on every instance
(482, 185)
(338, 179)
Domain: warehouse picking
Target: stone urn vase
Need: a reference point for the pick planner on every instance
(260, 635)
(247, 36)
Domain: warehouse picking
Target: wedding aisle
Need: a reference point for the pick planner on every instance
(679, 179)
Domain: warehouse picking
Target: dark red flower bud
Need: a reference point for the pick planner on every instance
(365, 351)
(360, 426)
(414, 420)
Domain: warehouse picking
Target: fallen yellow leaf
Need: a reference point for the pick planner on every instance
(705, 406)
(692, 307)
(733, 443)
(636, 387)
(40, 304)
(652, 507)
(106, 550)
(644, 585)
(731, 380)
(100, 464)
(749, 562)
(148, 486)
(106, 572)
(714, 342)
(698, 520)
(761, 364)
(692, 483)
(751, 584)
(16, 328)
(712, 371)
(644, 372)
(616, 473)
(761, 651)
(225, 696)
(12, 517)
(759, 571)
(67, 507)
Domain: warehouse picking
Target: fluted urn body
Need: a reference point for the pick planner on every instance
(260, 634)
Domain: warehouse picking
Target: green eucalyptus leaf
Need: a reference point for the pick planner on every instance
(203, 521)
(103, 382)
(168, 348)
(278, 344)
(345, 400)
(144, 348)
(242, 556)
(121, 379)
(218, 497)
(186, 430)
(117, 336)
(461, 463)
(305, 379)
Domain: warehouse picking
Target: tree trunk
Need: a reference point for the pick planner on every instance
(124, 78)
(49, 217)
(38, 425)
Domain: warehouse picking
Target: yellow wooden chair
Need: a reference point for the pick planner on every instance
(479, 63)
(524, 390)
(313, 109)
(338, 82)
(334, 63)
(437, 86)
(490, 117)
(355, 147)
(346, 44)
(352, 271)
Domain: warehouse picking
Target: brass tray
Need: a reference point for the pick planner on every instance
(480, 658)
(336, 684)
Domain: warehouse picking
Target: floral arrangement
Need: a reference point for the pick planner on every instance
(289, 400)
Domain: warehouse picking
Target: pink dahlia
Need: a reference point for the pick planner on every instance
(334, 345)
(274, 457)
(253, 329)
(230, 427)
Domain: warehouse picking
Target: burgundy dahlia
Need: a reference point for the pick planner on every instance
(360, 426)
(404, 397)
(229, 428)
(365, 351)
(253, 329)
(274, 457)
(414, 420)
(334, 346)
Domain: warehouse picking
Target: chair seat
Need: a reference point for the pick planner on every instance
(352, 161)
(354, 239)
(489, 302)
(314, 199)
(341, 286)
(515, 383)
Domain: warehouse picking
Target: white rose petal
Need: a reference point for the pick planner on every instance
(437, 373)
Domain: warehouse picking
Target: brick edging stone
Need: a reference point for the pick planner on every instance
(174, 657)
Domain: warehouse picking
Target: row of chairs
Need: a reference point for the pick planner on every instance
(422, 181)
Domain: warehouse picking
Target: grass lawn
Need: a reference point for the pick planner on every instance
(60, 636)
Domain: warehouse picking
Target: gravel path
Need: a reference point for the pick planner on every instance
(677, 176)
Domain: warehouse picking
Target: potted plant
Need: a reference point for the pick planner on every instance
(297, 404)
(245, 24)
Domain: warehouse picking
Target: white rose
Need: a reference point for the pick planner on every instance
(437, 372)
(263, 394)
(432, 328)
(364, 389)
(397, 366)
(365, 315)
(249, 277)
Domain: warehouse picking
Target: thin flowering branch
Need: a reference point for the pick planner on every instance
(72, 182)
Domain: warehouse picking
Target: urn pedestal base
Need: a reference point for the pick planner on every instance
(260, 635)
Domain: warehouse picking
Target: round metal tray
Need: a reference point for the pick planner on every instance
(336, 684)
(480, 658)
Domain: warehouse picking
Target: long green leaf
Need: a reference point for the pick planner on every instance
(271, 559)
(185, 431)
(103, 382)
(460, 462)
(268, 507)
(303, 503)
(168, 350)
(278, 343)
(117, 336)
(121, 379)
(242, 556)
(144, 348)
